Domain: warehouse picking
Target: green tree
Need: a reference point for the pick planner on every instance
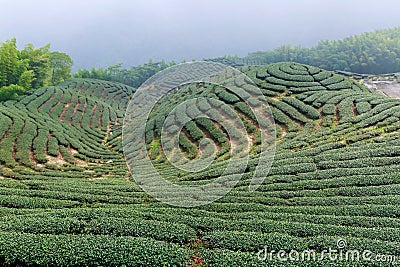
(26, 78)
(39, 62)
(8, 62)
(11, 92)
(30, 68)
(60, 64)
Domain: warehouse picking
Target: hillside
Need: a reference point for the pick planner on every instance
(67, 199)
(64, 131)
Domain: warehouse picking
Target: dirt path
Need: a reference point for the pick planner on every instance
(390, 89)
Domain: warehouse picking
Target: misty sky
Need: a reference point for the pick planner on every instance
(98, 33)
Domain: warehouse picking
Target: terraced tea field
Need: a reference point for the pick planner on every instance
(67, 198)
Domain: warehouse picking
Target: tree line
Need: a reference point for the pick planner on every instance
(375, 52)
(30, 68)
(133, 76)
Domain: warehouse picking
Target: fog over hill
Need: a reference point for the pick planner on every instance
(100, 33)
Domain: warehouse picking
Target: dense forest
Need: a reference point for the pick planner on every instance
(21, 70)
(373, 53)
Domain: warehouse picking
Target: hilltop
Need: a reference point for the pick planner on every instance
(67, 199)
